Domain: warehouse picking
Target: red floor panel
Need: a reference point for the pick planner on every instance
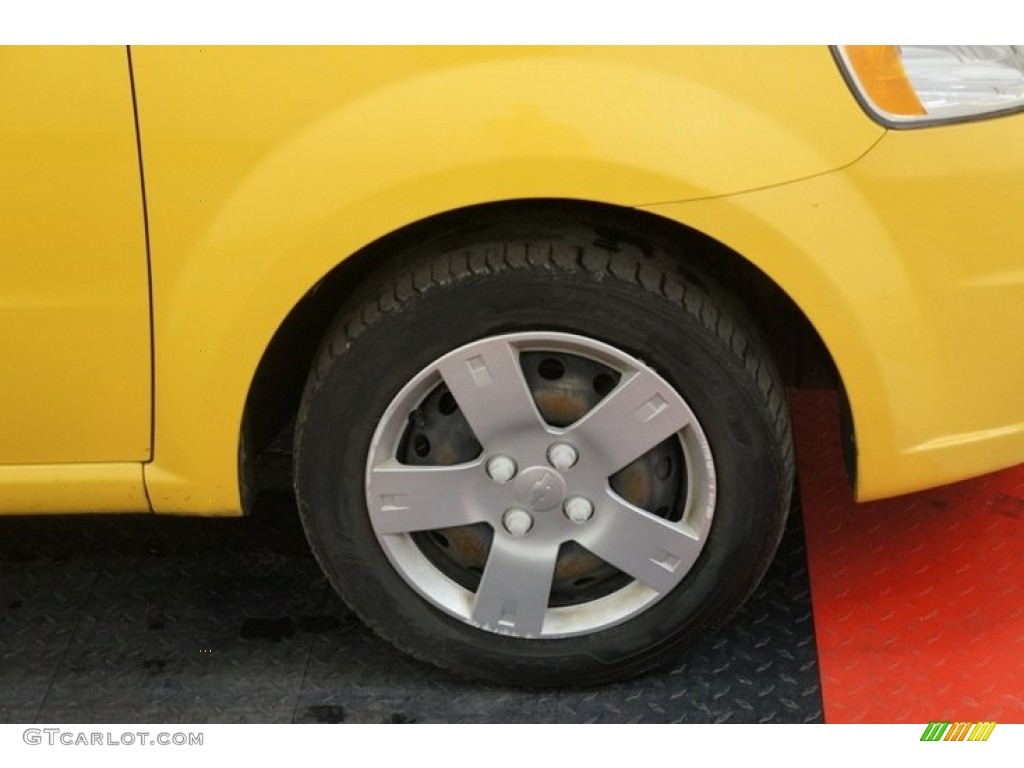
(918, 601)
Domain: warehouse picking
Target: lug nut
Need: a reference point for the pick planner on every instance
(562, 456)
(501, 469)
(518, 522)
(578, 509)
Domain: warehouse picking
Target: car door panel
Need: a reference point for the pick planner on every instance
(74, 298)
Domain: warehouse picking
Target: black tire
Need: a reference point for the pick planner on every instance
(446, 295)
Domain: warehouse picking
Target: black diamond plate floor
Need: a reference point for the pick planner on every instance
(145, 619)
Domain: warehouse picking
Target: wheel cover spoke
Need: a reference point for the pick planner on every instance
(636, 416)
(406, 499)
(488, 384)
(513, 593)
(651, 550)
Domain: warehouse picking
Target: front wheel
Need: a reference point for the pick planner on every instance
(543, 463)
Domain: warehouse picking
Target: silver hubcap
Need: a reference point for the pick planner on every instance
(524, 491)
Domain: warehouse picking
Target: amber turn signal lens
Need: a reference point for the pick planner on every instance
(879, 71)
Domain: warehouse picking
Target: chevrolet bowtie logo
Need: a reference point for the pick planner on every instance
(541, 491)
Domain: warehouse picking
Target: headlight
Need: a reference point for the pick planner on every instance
(910, 85)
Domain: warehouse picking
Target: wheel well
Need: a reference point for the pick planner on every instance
(277, 386)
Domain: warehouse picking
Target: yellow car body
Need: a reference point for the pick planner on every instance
(166, 210)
